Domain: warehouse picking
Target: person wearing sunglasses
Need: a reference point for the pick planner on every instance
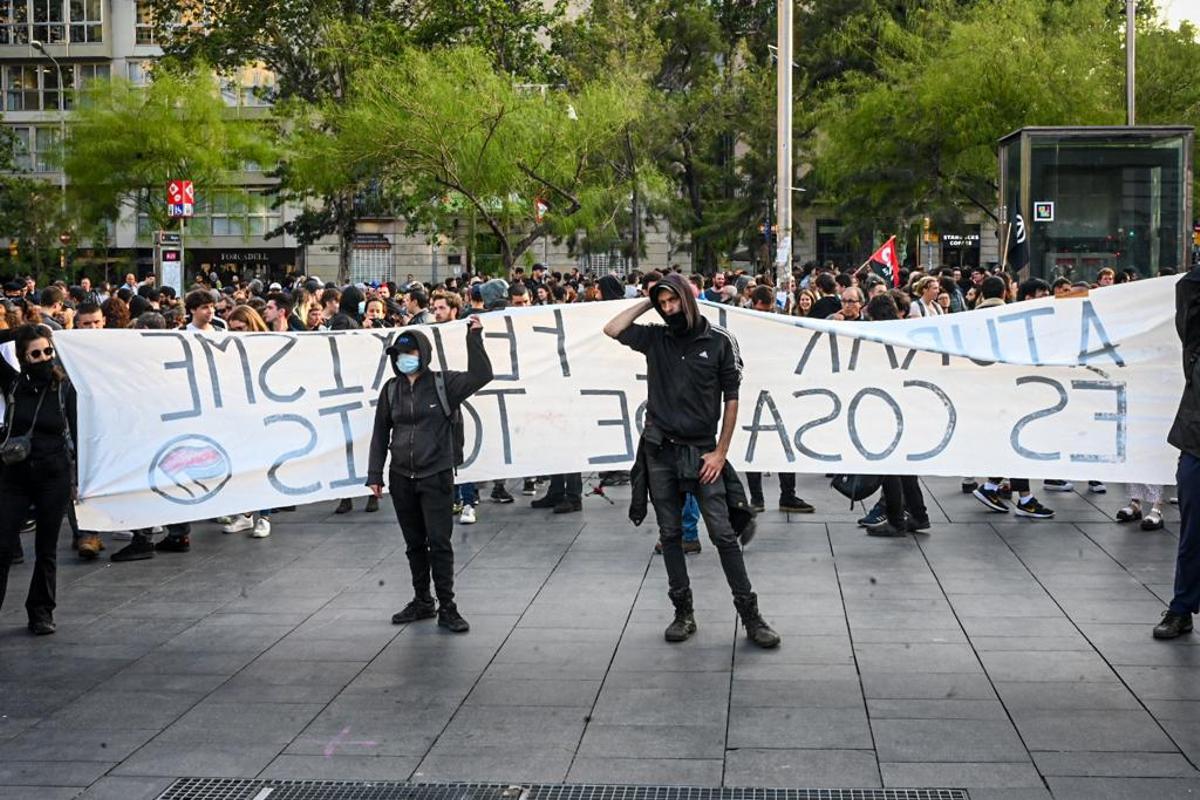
(38, 469)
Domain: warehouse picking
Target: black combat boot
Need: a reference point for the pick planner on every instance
(684, 624)
(757, 629)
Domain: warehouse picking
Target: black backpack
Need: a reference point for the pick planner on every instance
(457, 435)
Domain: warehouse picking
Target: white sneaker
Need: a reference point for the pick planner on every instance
(157, 529)
(468, 515)
(1058, 486)
(262, 529)
(223, 520)
(242, 522)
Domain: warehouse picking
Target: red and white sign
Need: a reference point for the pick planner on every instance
(181, 199)
(540, 207)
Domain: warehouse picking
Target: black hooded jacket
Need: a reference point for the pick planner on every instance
(1185, 432)
(611, 288)
(347, 316)
(688, 376)
(409, 419)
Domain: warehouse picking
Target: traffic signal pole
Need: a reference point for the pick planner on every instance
(783, 142)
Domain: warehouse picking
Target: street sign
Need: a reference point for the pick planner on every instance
(1043, 211)
(181, 199)
(167, 238)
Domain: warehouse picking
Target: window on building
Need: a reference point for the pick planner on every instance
(139, 71)
(14, 21)
(90, 72)
(21, 88)
(36, 148)
(54, 96)
(143, 24)
(87, 20)
(48, 21)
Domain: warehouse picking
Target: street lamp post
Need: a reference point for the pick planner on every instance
(62, 121)
(783, 142)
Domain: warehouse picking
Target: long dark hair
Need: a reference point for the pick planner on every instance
(28, 333)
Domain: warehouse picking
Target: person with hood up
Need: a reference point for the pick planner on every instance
(694, 371)
(348, 316)
(415, 423)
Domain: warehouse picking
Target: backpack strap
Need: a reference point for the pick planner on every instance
(439, 383)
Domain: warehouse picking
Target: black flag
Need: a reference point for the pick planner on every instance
(1019, 255)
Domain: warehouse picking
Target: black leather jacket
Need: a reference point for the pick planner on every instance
(1185, 432)
(741, 513)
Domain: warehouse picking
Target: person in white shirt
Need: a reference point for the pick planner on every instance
(203, 311)
(926, 305)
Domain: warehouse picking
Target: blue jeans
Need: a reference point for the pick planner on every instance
(691, 519)
(467, 494)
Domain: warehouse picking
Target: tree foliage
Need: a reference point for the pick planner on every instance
(446, 131)
(126, 142)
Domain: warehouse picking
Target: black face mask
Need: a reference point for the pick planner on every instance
(41, 372)
(677, 323)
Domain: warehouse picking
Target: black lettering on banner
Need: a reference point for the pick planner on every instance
(815, 423)
(895, 363)
(339, 386)
(834, 364)
(1015, 436)
(722, 317)
(623, 421)
(352, 478)
(951, 420)
(273, 471)
(469, 458)
(561, 333)
(276, 357)
(852, 423)
(511, 335)
(385, 341)
(439, 348)
(1090, 319)
(188, 363)
(209, 344)
(937, 343)
(766, 401)
(501, 396)
(1028, 317)
(1120, 417)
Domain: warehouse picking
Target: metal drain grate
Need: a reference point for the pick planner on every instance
(232, 789)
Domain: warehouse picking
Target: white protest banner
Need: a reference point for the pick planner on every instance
(179, 426)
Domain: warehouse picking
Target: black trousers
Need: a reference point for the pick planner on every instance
(787, 484)
(43, 484)
(425, 511)
(900, 493)
(667, 492)
(568, 486)
(1019, 485)
(1187, 562)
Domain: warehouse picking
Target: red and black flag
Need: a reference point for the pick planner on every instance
(884, 262)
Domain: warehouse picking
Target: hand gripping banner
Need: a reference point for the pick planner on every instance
(177, 426)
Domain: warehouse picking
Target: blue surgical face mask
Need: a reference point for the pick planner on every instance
(408, 363)
(362, 308)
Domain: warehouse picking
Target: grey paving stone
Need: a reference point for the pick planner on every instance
(917, 686)
(926, 740)
(1092, 730)
(936, 709)
(1044, 696)
(199, 760)
(486, 765)
(838, 693)
(253, 723)
(53, 743)
(1064, 666)
(653, 741)
(63, 772)
(925, 658)
(1123, 788)
(793, 728)
(123, 711)
(341, 768)
(495, 692)
(126, 789)
(1123, 765)
(816, 769)
(659, 771)
(967, 775)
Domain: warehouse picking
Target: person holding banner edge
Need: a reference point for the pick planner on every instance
(414, 425)
(692, 366)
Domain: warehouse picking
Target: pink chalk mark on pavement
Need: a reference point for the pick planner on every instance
(340, 740)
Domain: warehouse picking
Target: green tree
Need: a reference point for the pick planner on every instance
(918, 136)
(445, 134)
(126, 142)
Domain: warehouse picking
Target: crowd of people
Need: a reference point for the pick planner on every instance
(40, 407)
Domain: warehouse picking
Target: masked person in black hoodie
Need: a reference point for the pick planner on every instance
(40, 471)
(692, 366)
(412, 423)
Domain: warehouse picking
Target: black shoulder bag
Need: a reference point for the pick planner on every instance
(16, 449)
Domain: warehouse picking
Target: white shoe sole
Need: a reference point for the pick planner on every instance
(1050, 487)
(1020, 512)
